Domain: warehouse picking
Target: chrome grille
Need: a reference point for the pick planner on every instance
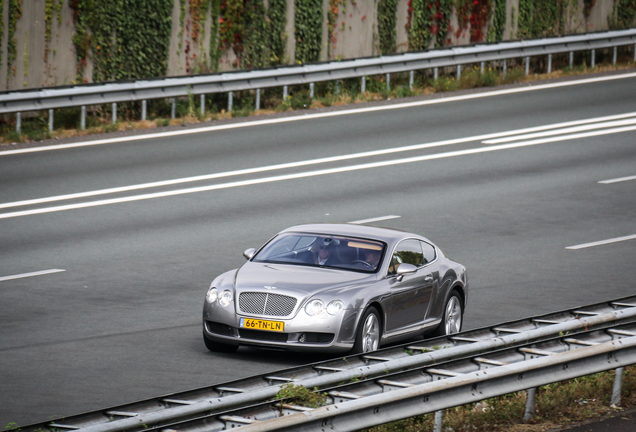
(260, 303)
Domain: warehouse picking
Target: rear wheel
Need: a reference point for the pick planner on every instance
(453, 316)
(218, 347)
(369, 332)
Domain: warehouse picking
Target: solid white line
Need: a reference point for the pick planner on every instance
(26, 275)
(310, 173)
(616, 180)
(278, 178)
(602, 242)
(377, 219)
(302, 163)
(317, 115)
(563, 131)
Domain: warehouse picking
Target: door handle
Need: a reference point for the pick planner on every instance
(428, 278)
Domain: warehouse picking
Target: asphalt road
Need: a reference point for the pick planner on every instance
(121, 322)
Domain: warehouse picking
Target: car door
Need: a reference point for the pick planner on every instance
(410, 296)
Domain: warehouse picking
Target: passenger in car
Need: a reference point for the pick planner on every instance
(326, 255)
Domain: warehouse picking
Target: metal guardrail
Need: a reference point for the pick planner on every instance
(445, 386)
(201, 403)
(142, 90)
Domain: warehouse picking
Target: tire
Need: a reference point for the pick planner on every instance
(218, 347)
(369, 332)
(452, 317)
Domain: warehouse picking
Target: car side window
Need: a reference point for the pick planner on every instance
(408, 251)
(429, 252)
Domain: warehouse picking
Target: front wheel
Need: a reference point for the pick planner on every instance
(369, 332)
(453, 316)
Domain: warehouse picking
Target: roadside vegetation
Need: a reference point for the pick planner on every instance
(326, 94)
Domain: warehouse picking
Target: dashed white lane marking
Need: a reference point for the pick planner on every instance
(587, 127)
(377, 219)
(26, 275)
(603, 242)
(617, 180)
(317, 115)
(579, 135)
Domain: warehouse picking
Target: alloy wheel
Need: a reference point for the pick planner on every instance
(371, 333)
(453, 316)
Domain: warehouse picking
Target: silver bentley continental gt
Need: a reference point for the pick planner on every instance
(335, 288)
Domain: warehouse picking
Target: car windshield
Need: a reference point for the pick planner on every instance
(320, 250)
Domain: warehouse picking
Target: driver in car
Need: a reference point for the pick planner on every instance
(372, 257)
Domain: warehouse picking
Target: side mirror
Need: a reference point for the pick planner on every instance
(249, 253)
(405, 269)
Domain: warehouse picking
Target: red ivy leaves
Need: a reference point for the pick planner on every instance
(477, 14)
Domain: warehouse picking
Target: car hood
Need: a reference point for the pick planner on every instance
(297, 281)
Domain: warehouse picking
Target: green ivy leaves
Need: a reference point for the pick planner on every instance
(387, 23)
(308, 22)
(127, 38)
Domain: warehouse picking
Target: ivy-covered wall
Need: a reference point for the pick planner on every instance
(56, 42)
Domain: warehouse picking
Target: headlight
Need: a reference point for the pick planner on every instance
(225, 298)
(314, 307)
(335, 307)
(212, 295)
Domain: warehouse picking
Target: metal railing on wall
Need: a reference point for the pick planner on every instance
(229, 82)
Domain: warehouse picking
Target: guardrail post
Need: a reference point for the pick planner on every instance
(593, 59)
(530, 404)
(549, 63)
(337, 87)
(51, 120)
(618, 383)
(83, 118)
(114, 111)
(388, 82)
(571, 59)
(258, 99)
(439, 419)
(285, 93)
(411, 78)
(230, 99)
(144, 105)
(634, 53)
(202, 104)
(364, 84)
(482, 65)
(435, 73)
(173, 108)
(527, 62)
(18, 122)
(459, 71)
(505, 67)
(614, 56)
(311, 90)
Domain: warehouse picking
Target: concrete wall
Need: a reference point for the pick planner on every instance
(356, 34)
(356, 31)
(30, 68)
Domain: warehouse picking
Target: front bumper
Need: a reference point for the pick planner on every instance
(325, 333)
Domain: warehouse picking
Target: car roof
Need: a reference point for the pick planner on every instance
(387, 235)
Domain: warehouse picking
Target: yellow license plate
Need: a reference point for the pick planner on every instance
(262, 324)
